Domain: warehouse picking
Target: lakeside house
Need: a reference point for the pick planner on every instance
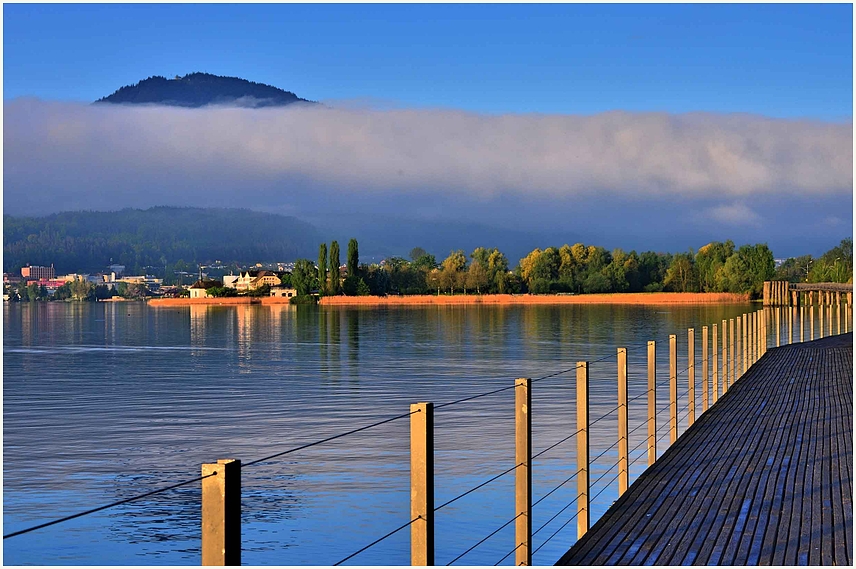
(199, 289)
(283, 292)
(251, 280)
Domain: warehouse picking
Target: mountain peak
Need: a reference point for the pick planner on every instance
(200, 90)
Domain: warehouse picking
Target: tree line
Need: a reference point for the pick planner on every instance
(578, 269)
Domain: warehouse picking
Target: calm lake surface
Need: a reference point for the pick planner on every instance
(104, 401)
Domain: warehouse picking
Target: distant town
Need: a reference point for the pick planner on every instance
(577, 269)
(42, 283)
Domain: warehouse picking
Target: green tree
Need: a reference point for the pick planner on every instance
(353, 258)
(477, 277)
(616, 271)
(681, 275)
(836, 265)
(426, 263)
(747, 269)
(285, 280)
(63, 292)
(304, 277)
(335, 276)
(363, 289)
(452, 274)
(708, 261)
(81, 289)
(417, 252)
(322, 269)
(795, 269)
(221, 291)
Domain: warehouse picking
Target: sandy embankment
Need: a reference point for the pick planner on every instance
(234, 300)
(487, 299)
(513, 299)
(224, 301)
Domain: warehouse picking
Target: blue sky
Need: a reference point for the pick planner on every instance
(634, 126)
(777, 60)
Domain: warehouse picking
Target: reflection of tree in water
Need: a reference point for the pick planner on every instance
(354, 341)
(171, 520)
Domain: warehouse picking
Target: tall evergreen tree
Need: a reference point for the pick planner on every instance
(322, 268)
(334, 267)
(353, 258)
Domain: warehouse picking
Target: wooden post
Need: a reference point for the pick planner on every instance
(623, 428)
(705, 376)
(767, 299)
(778, 328)
(715, 358)
(737, 346)
(582, 449)
(731, 351)
(741, 344)
(820, 311)
(652, 403)
(523, 474)
(751, 322)
(802, 323)
(673, 389)
(745, 320)
(691, 376)
(221, 513)
(838, 317)
(811, 322)
(724, 357)
(828, 308)
(422, 484)
(791, 312)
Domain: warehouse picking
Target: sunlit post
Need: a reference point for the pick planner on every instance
(221, 513)
(523, 473)
(652, 402)
(623, 459)
(673, 389)
(691, 376)
(422, 484)
(705, 375)
(582, 449)
(733, 369)
(715, 360)
(724, 356)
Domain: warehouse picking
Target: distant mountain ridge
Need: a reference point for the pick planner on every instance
(88, 240)
(200, 90)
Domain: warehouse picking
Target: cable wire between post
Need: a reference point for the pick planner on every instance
(375, 542)
(119, 503)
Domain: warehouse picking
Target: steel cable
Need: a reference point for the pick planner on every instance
(118, 503)
(471, 490)
(375, 542)
(490, 535)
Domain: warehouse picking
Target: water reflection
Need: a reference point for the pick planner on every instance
(156, 392)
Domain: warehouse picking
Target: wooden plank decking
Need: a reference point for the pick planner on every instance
(764, 477)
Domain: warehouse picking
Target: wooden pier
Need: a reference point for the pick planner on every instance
(764, 477)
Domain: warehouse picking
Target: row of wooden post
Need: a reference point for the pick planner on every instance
(824, 297)
(779, 293)
(745, 335)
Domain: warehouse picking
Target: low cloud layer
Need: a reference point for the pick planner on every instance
(60, 156)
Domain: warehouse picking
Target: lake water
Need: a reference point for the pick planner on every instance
(104, 401)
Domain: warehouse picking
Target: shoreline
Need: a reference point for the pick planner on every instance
(637, 298)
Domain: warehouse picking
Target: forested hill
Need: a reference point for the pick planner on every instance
(201, 89)
(88, 240)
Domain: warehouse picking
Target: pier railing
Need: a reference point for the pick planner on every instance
(728, 349)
